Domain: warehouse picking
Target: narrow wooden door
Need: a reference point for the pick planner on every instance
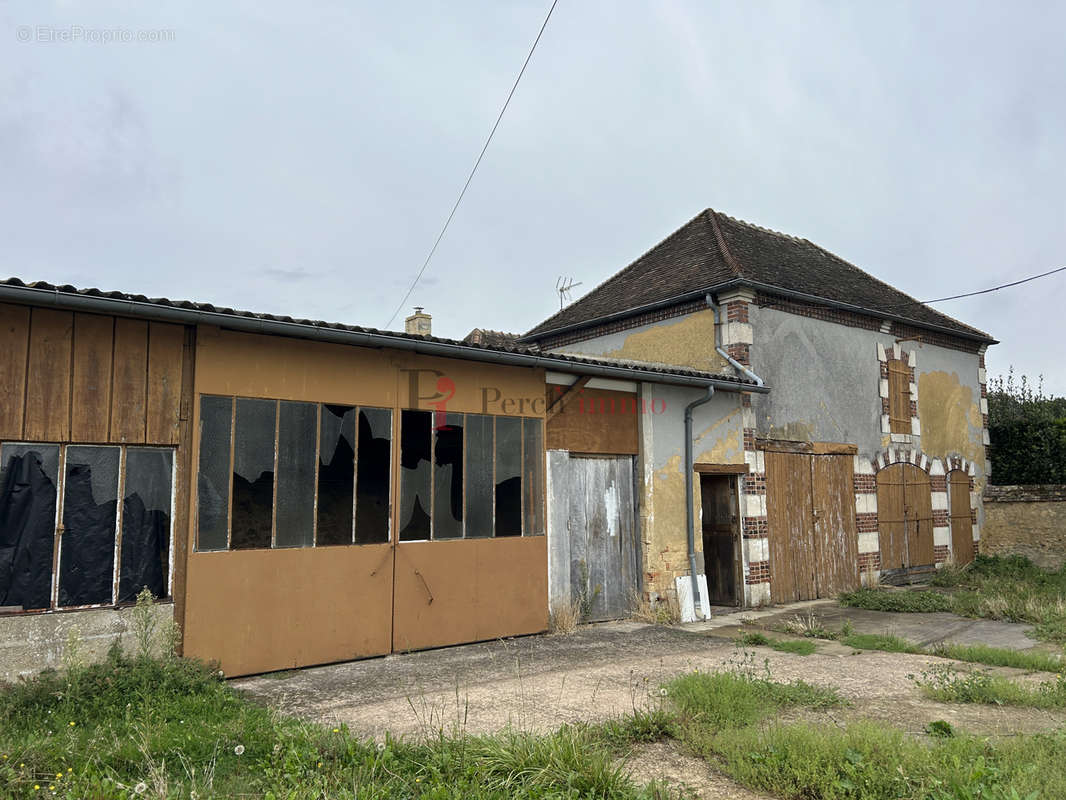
(961, 522)
(836, 538)
(904, 517)
(789, 517)
(718, 510)
(604, 556)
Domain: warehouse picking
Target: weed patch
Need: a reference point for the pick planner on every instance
(802, 647)
(999, 657)
(947, 685)
(880, 641)
(900, 601)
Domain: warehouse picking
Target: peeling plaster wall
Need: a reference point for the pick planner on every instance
(686, 341)
(718, 439)
(823, 380)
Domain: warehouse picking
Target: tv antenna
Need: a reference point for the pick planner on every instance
(563, 287)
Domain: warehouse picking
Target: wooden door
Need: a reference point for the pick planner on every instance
(789, 517)
(961, 522)
(600, 536)
(836, 537)
(718, 504)
(904, 517)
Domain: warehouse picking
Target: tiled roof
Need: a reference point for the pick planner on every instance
(123, 303)
(488, 336)
(713, 249)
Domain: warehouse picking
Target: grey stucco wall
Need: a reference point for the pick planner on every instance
(32, 642)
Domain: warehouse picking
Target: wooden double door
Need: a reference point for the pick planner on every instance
(904, 517)
(810, 510)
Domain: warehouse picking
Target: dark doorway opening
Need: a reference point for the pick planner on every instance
(721, 537)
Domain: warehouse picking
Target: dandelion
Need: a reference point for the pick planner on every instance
(335, 730)
(51, 788)
(70, 769)
(663, 692)
(59, 774)
(36, 786)
(72, 723)
(418, 780)
(239, 749)
(320, 765)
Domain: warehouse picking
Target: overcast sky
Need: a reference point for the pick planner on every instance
(300, 159)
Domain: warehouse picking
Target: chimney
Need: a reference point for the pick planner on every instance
(419, 323)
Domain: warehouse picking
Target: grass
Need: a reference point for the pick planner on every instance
(801, 647)
(899, 601)
(942, 682)
(1000, 657)
(1010, 588)
(880, 641)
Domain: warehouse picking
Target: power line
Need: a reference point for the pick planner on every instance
(477, 163)
(996, 288)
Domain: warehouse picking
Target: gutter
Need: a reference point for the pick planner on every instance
(769, 289)
(252, 324)
(718, 348)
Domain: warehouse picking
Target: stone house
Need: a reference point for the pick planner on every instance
(866, 455)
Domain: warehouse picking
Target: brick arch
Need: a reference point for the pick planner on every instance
(897, 455)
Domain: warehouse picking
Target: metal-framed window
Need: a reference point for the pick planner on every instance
(84, 526)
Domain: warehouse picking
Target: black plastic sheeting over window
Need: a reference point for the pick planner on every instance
(87, 543)
(253, 474)
(213, 477)
(508, 476)
(146, 507)
(479, 475)
(336, 475)
(28, 479)
(373, 483)
(448, 479)
(415, 474)
(297, 432)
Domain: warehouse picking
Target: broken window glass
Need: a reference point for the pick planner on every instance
(508, 476)
(213, 478)
(415, 476)
(87, 542)
(28, 478)
(253, 474)
(448, 479)
(533, 477)
(146, 506)
(374, 467)
(479, 480)
(336, 475)
(297, 435)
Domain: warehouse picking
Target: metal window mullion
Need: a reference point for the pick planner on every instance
(462, 474)
(173, 511)
(431, 500)
(356, 410)
(61, 490)
(492, 456)
(232, 448)
(274, 500)
(120, 495)
(318, 460)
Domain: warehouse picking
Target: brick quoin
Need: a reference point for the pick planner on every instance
(941, 553)
(736, 311)
(868, 561)
(741, 352)
(755, 483)
(938, 483)
(758, 572)
(755, 527)
(940, 517)
(866, 523)
(865, 484)
(749, 439)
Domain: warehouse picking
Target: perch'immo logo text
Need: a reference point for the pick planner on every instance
(434, 388)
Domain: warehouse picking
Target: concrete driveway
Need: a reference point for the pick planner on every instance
(537, 683)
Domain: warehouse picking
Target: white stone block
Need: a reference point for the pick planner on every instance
(913, 388)
(916, 427)
(970, 469)
(754, 505)
(941, 536)
(924, 463)
(896, 352)
(886, 426)
(883, 387)
(901, 438)
(984, 437)
(988, 467)
(737, 333)
(976, 532)
(940, 501)
(868, 542)
(758, 594)
(881, 354)
(866, 504)
(984, 405)
(981, 375)
(912, 359)
(758, 550)
(936, 467)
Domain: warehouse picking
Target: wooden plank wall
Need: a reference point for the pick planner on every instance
(597, 421)
(73, 377)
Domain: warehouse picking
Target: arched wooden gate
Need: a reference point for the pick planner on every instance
(904, 517)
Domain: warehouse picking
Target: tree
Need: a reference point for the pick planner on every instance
(1027, 430)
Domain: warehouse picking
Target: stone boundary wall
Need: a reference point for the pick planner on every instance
(1028, 521)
